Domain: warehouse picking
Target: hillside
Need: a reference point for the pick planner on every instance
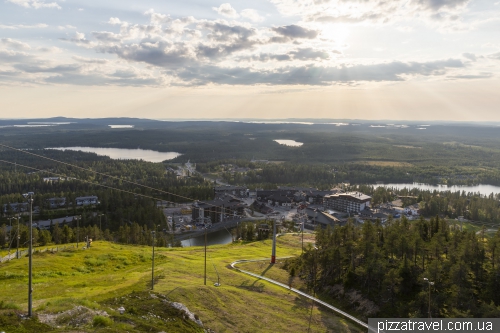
(82, 289)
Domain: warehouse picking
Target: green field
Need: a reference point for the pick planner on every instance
(81, 283)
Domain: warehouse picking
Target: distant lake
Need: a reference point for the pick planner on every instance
(291, 143)
(126, 154)
(484, 189)
(121, 126)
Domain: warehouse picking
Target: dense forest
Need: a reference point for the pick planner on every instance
(385, 266)
(449, 145)
(323, 175)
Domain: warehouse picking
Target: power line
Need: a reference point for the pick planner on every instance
(82, 180)
(106, 175)
(95, 172)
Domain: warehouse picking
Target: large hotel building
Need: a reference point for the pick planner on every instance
(347, 202)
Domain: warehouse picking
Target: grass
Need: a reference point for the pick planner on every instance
(109, 275)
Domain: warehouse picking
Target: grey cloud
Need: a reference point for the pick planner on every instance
(124, 73)
(470, 56)
(296, 31)
(314, 75)
(161, 54)
(100, 80)
(106, 36)
(310, 54)
(222, 32)
(47, 69)
(437, 5)
(299, 54)
(472, 76)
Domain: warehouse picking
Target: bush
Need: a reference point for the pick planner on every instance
(101, 321)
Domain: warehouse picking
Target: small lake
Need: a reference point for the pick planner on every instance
(291, 143)
(126, 154)
(484, 189)
(121, 126)
(218, 237)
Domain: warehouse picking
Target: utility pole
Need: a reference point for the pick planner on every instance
(273, 254)
(153, 261)
(77, 230)
(29, 196)
(18, 236)
(205, 276)
(303, 236)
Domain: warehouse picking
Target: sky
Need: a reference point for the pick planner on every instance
(194, 59)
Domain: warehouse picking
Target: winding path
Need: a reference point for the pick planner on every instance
(337, 310)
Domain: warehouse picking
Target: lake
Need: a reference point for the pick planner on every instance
(291, 143)
(126, 154)
(218, 237)
(484, 189)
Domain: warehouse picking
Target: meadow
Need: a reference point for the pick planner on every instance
(81, 290)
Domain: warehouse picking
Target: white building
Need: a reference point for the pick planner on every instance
(347, 202)
(84, 201)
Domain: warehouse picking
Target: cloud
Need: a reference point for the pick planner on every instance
(226, 10)
(64, 27)
(163, 54)
(313, 74)
(9, 56)
(437, 5)
(495, 56)
(252, 15)
(90, 60)
(443, 12)
(114, 21)
(79, 39)
(470, 56)
(156, 18)
(28, 68)
(22, 26)
(51, 49)
(295, 31)
(471, 76)
(14, 44)
(302, 54)
(106, 36)
(310, 54)
(35, 4)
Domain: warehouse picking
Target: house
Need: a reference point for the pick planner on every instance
(316, 197)
(15, 207)
(347, 202)
(279, 200)
(324, 219)
(412, 210)
(217, 210)
(239, 191)
(56, 202)
(84, 201)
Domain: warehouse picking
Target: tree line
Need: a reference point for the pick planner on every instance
(387, 266)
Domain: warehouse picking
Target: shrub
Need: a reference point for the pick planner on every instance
(101, 321)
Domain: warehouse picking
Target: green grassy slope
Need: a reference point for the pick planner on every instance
(110, 275)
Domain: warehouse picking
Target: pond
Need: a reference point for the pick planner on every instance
(484, 189)
(126, 154)
(291, 143)
(218, 237)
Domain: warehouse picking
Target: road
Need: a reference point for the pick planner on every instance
(337, 310)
